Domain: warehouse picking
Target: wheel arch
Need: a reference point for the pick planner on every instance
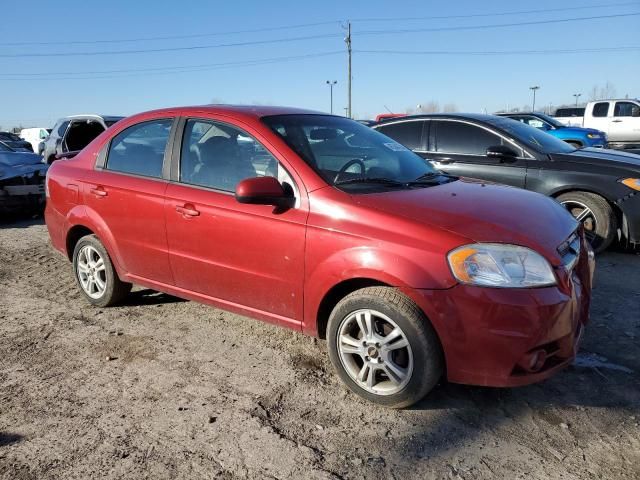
(571, 189)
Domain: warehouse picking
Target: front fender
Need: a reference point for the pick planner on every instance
(368, 263)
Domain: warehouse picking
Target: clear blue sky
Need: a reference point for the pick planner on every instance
(399, 81)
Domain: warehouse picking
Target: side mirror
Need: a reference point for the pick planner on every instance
(264, 191)
(502, 152)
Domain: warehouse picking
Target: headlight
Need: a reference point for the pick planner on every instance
(499, 265)
(593, 135)
(631, 183)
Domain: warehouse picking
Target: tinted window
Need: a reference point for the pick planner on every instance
(570, 112)
(600, 109)
(408, 134)
(62, 128)
(625, 109)
(216, 155)
(529, 136)
(459, 137)
(140, 149)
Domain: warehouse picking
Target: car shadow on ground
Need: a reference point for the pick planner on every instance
(9, 438)
(20, 221)
(149, 297)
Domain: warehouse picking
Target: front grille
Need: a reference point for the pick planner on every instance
(569, 250)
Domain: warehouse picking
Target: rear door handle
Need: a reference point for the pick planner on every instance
(99, 192)
(616, 121)
(187, 210)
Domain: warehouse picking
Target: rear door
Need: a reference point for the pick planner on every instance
(459, 148)
(126, 193)
(625, 123)
(247, 257)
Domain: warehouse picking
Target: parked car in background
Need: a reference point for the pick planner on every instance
(570, 115)
(579, 137)
(15, 142)
(619, 119)
(34, 136)
(22, 177)
(599, 187)
(73, 133)
(328, 227)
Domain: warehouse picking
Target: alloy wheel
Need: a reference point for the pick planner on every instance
(584, 215)
(91, 272)
(375, 352)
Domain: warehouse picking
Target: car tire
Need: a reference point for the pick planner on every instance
(95, 275)
(374, 365)
(599, 220)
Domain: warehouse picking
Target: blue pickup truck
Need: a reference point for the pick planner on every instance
(576, 136)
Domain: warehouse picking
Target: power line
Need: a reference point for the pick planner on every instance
(169, 49)
(174, 37)
(495, 25)
(496, 14)
(160, 70)
(502, 52)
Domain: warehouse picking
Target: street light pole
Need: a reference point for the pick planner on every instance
(331, 84)
(533, 89)
(347, 40)
(577, 95)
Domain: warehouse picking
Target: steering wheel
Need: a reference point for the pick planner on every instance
(349, 164)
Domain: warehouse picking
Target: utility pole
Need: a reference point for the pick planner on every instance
(331, 84)
(533, 89)
(577, 95)
(348, 42)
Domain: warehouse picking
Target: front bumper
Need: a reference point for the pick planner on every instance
(630, 207)
(510, 337)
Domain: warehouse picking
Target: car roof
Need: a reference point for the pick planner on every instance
(106, 118)
(480, 117)
(255, 111)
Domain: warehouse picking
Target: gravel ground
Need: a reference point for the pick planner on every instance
(164, 388)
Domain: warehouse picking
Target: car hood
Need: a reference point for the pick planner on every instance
(14, 164)
(483, 212)
(599, 156)
(581, 130)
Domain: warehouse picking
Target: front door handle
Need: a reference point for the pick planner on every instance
(99, 192)
(616, 121)
(444, 160)
(187, 210)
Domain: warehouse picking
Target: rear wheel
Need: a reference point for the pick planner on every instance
(383, 347)
(596, 216)
(94, 272)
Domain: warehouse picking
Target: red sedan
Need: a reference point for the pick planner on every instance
(320, 224)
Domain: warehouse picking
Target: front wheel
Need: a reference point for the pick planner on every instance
(596, 216)
(383, 347)
(94, 272)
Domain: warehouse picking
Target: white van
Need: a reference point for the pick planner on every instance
(34, 136)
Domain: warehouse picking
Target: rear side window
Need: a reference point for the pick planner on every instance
(408, 134)
(601, 109)
(459, 137)
(62, 128)
(139, 149)
(626, 109)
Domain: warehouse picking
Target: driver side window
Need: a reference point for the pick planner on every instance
(218, 156)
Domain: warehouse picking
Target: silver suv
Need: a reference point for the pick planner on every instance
(73, 133)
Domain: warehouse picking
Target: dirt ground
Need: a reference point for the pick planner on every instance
(163, 388)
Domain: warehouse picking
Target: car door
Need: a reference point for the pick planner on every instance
(247, 257)
(625, 123)
(459, 148)
(125, 195)
(600, 118)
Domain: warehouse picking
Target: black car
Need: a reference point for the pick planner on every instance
(599, 187)
(15, 142)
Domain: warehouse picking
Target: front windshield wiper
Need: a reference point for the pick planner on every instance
(429, 177)
(381, 180)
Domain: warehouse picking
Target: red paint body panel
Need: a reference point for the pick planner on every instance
(278, 265)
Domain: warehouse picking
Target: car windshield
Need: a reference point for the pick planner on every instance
(5, 148)
(531, 136)
(350, 155)
(9, 136)
(550, 120)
